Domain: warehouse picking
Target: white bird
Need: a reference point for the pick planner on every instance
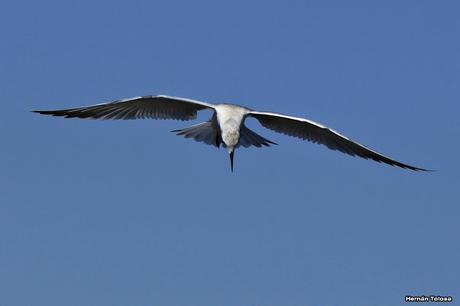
(226, 127)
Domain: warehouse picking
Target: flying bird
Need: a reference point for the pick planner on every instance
(226, 126)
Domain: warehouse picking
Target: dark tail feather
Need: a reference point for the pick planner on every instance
(250, 138)
(204, 132)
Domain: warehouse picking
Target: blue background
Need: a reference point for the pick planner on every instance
(125, 213)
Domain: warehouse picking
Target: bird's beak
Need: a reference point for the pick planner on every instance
(232, 152)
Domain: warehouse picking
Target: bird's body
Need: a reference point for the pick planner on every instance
(230, 117)
(226, 127)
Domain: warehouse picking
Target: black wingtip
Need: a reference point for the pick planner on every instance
(423, 170)
(413, 168)
(409, 167)
(43, 112)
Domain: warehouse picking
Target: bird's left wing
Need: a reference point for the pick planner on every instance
(318, 133)
(153, 107)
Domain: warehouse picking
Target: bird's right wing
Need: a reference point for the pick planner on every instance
(153, 107)
(318, 133)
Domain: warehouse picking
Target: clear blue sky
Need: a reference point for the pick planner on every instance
(126, 213)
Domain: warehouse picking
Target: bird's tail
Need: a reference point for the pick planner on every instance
(203, 132)
(250, 138)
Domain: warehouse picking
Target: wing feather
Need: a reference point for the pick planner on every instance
(153, 107)
(317, 133)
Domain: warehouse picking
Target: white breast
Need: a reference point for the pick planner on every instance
(230, 118)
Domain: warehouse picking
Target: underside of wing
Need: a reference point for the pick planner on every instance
(153, 107)
(309, 130)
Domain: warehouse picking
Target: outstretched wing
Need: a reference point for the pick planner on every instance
(153, 107)
(317, 133)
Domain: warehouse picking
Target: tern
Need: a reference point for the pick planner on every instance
(226, 126)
